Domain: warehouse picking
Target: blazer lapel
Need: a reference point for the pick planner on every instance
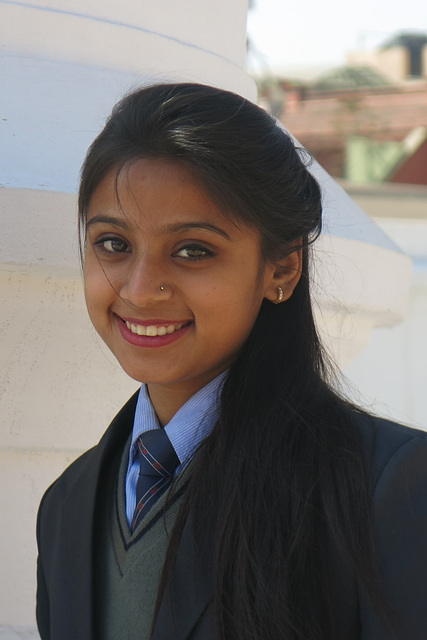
(78, 520)
(184, 611)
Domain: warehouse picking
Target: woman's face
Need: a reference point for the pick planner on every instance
(173, 286)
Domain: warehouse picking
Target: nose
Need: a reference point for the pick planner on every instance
(145, 282)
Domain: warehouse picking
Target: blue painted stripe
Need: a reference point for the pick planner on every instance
(114, 23)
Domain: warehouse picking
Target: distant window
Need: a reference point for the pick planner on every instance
(414, 44)
(415, 58)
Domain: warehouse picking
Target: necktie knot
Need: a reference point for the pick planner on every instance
(157, 464)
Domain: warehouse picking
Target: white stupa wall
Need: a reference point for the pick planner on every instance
(63, 65)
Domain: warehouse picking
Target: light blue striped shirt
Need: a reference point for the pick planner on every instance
(189, 426)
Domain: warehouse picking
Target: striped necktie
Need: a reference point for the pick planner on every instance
(157, 464)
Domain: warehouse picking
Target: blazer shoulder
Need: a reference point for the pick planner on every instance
(399, 519)
(384, 440)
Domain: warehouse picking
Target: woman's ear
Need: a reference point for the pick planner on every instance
(284, 277)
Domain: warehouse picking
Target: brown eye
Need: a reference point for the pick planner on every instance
(193, 252)
(113, 245)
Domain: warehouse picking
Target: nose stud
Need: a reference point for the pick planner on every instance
(161, 288)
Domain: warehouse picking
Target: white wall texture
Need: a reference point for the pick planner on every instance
(63, 65)
(390, 375)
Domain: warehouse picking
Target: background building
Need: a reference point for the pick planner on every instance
(365, 121)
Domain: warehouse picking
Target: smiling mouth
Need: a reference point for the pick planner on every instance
(154, 330)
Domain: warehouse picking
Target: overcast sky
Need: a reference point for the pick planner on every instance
(308, 33)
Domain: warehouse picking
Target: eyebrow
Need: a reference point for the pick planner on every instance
(187, 226)
(171, 228)
(117, 222)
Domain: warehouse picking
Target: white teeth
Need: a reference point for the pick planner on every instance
(152, 330)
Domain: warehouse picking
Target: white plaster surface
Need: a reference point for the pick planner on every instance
(106, 32)
(18, 633)
(50, 113)
(361, 278)
(39, 228)
(51, 110)
(390, 375)
(26, 474)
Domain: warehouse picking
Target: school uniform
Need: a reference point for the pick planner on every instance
(69, 526)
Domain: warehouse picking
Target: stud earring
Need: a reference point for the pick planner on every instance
(279, 295)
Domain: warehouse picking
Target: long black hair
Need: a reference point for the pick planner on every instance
(281, 478)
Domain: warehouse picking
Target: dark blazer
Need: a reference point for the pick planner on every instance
(65, 537)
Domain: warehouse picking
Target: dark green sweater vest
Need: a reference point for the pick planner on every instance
(128, 567)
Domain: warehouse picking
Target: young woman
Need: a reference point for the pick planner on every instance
(279, 511)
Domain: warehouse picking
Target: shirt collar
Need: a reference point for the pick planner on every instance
(191, 424)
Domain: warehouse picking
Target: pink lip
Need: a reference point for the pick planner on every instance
(150, 341)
